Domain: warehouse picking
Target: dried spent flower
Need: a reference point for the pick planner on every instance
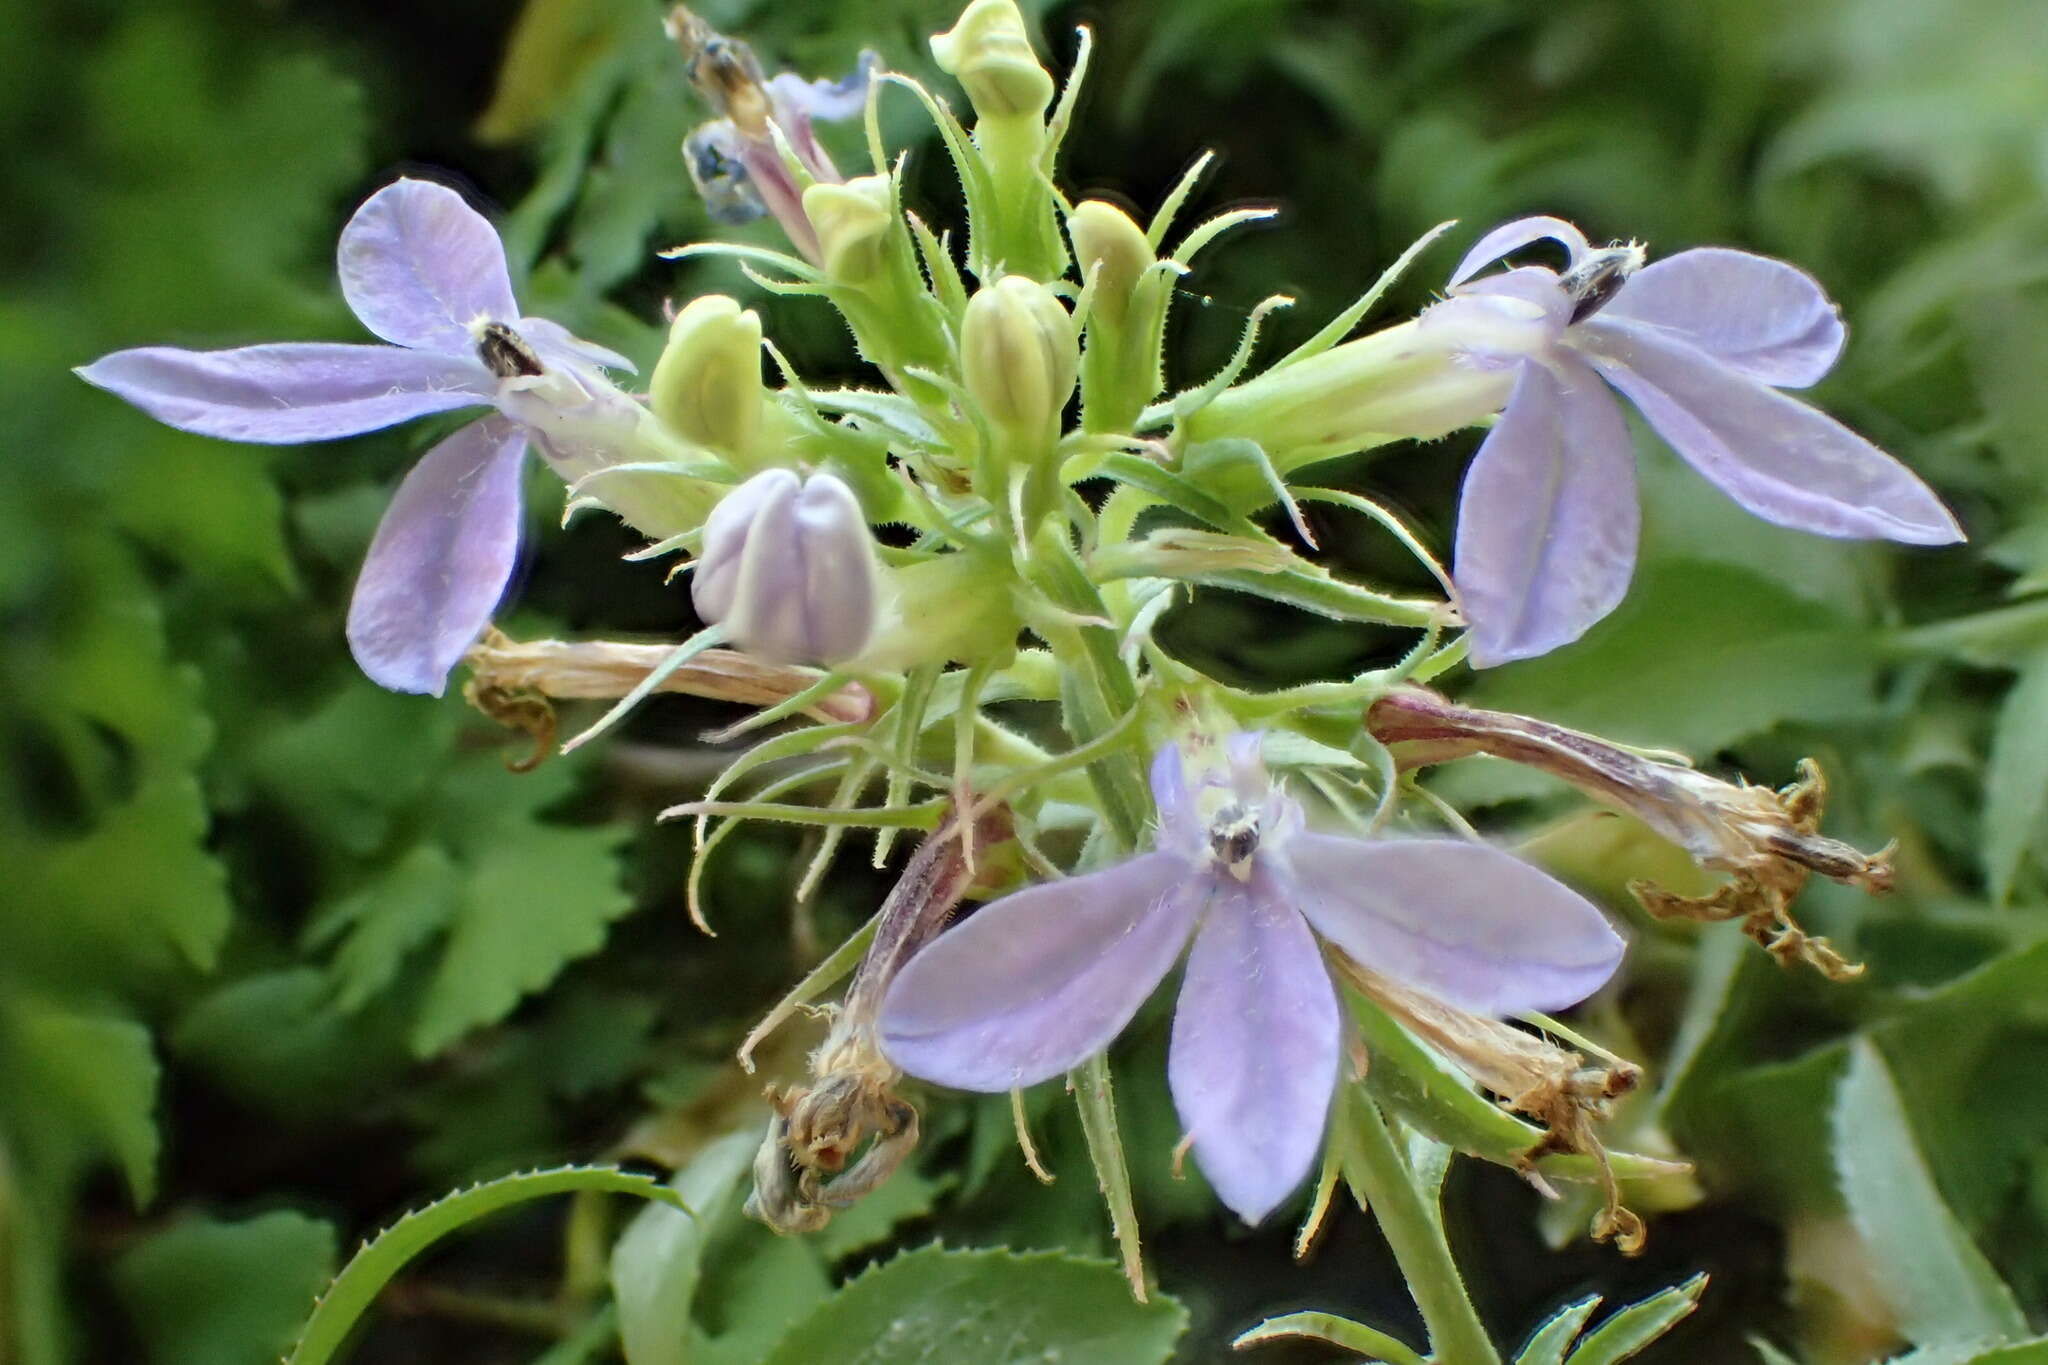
(516, 682)
(733, 160)
(850, 1111)
(1041, 980)
(1553, 1085)
(1767, 841)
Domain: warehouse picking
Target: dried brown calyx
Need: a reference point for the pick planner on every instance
(1767, 841)
(1553, 1085)
(831, 1141)
(516, 683)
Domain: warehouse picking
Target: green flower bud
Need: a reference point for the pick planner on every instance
(989, 52)
(1112, 251)
(1019, 358)
(1409, 381)
(852, 221)
(707, 385)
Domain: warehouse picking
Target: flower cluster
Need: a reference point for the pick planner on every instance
(1032, 542)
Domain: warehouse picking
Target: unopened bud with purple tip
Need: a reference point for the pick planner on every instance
(789, 570)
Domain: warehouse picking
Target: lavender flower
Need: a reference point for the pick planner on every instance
(1700, 344)
(1043, 979)
(733, 160)
(427, 273)
(789, 570)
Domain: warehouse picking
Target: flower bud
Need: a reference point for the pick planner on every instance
(707, 385)
(852, 221)
(789, 570)
(1112, 251)
(989, 52)
(1019, 358)
(1416, 380)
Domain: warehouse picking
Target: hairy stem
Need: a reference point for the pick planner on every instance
(1377, 1171)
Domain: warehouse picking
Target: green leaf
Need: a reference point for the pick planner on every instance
(275, 1040)
(1699, 656)
(656, 1263)
(2016, 780)
(938, 1307)
(906, 1196)
(94, 1079)
(535, 896)
(1636, 1326)
(204, 1292)
(1369, 1342)
(1095, 1100)
(1933, 1276)
(372, 1267)
(383, 922)
(1549, 1342)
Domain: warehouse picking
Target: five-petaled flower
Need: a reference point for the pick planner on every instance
(1700, 343)
(427, 273)
(1041, 980)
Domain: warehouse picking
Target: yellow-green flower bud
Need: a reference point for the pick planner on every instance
(1019, 357)
(852, 221)
(1113, 253)
(989, 52)
(707, 385)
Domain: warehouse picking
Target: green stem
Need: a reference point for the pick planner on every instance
(1378, 1172)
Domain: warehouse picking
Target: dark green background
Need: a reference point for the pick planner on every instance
(277, 946)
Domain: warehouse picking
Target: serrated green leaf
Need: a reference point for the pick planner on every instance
(213, 1293)
(537, 900)
(94, 1078)
(1933, 1276)
(373, 1264)
(2016, 779)
(276, 1041)
(1548, 1343)
(1369, 1342)
(656, 1263)
(940, 1307)
(1630, 1329)
(383, 922)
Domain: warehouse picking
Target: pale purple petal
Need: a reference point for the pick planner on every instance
(1782, 460)
(418, 265)
(1548, 518)
(440, 559)
(1759, 317)
(829, 100)
(1255, 1044)
(556, 345)
(779, 192)
(1179, 827)
(1512, 237)
(788, 569)
(1038, 982)
(289, 392)
(1532, 284)
(1467, 923)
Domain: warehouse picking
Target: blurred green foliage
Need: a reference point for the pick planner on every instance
(282, 955)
